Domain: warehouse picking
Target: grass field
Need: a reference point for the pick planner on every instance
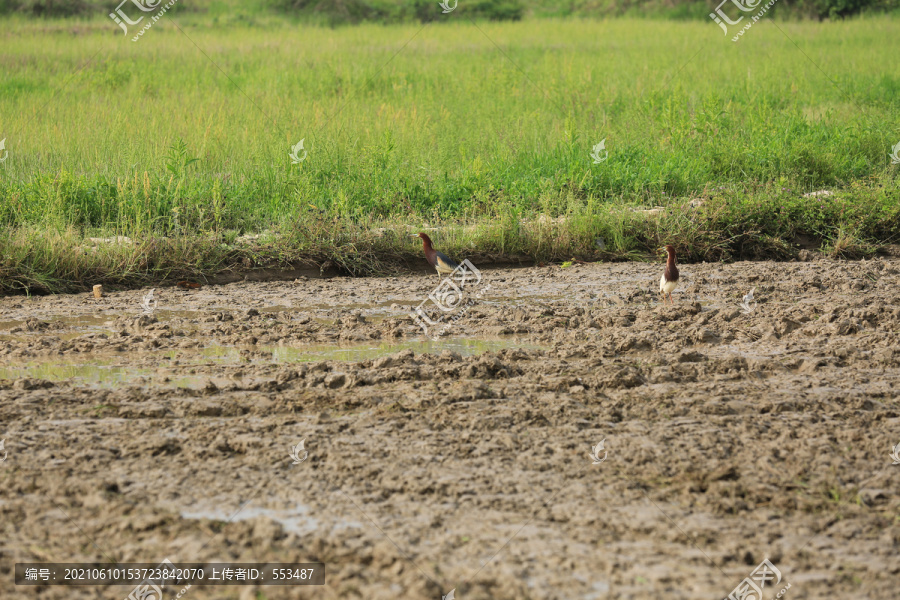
(479, 128)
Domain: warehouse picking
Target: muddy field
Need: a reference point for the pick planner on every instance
(139, 430)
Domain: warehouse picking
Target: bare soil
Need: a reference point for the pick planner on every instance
(465, 463)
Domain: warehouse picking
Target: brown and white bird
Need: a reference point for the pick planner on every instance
(440, 261)
(669, 279)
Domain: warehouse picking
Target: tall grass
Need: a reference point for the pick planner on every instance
(419, 124)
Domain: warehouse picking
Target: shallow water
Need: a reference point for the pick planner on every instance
(296, 520)
(113, 370)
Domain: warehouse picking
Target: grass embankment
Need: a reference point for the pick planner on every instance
(492, 147)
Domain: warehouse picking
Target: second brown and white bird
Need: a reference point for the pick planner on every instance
(669, 280)
(443, 264)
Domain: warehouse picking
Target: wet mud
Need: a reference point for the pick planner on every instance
(137, 431)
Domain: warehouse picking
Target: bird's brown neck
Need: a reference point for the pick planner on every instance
(426, 243)
(670, 262)
(671, 272)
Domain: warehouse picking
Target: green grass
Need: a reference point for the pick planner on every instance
(475, 128)
(337, 12)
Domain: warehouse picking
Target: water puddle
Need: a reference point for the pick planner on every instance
(179, 368)
(357, 352)
(296, 520)
(64, 328)
(361, 352)
(86, 321)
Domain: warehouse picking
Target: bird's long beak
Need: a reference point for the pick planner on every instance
(415, 235)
